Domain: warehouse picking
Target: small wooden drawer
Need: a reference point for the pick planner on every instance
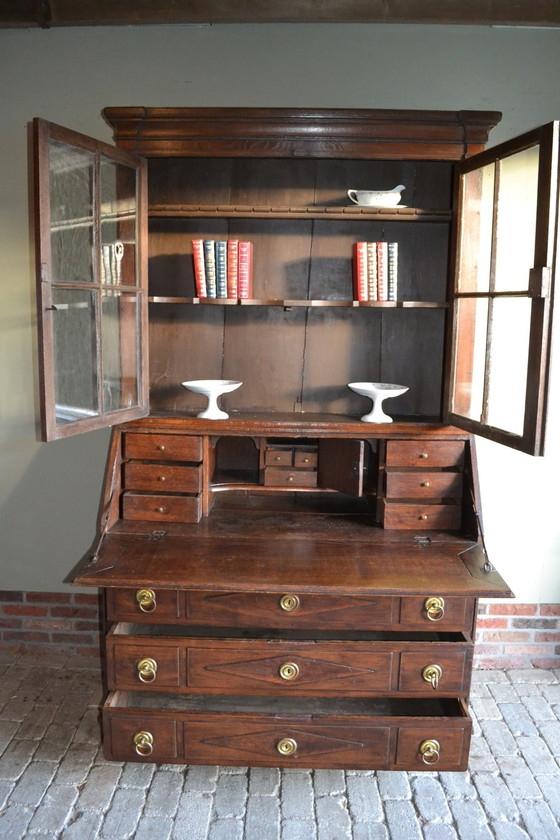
(424, 485)
(434, 611)
(163, 478)
(279, 456)
(305, 459)
(143, 604)
(161, 508)
(162, 447)
(420, 516)
(143, 664)
(290, 610)
(425, 453)
(347, 733)
(282, 477)
(437, 670)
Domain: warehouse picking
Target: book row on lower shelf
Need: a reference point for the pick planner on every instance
(223, 268)
(375, 269)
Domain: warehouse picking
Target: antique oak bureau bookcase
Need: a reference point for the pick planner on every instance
(292, 586)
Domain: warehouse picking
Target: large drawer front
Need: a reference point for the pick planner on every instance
(383, 736)
(425, 453)
(281, 666)
(293, 610)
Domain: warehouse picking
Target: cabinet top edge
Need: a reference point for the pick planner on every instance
(311, 132)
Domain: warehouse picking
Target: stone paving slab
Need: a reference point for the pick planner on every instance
(56, 785)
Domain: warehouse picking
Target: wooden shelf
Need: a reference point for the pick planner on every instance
(289, 304)
(191, 211)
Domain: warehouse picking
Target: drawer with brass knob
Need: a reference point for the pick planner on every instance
(164, 478)
(162, 447)
(349, 733)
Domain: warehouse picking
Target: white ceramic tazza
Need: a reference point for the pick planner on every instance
(212, 389)
(377, 392)
(376, 198)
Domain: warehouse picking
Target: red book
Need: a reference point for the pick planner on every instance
(245, 270)
(199, 270)
(360, 271)
(382, 268)
(232, 267)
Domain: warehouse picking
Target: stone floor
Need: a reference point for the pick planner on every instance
(54, 782)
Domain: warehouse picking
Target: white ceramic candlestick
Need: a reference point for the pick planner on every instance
(212, 389)
(377, 392)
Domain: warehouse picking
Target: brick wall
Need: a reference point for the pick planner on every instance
(508, 635)
(517, 636)
(61, 622)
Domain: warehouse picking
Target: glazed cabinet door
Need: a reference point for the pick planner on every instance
(503, 285)
(90, 231)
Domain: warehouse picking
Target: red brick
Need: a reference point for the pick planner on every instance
(88, 651)
(492, 622)
(47, 624)
(11, 622)
(507, 636)
(550, 609)
(529, 650)
(545, 636)
(48, 597)
(26, 636)
(87, 626)
(501, 662)
(73, 612)
(488, 650)
(513, 609)
(10, 596)
(72, 638)
(86, 598)
(24, 609)
(546, 663)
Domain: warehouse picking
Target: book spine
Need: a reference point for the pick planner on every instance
(360, 271)
(382, 284)
(199, 270)
(372, 270)
(232, 267)
(392, 273)
(245, 270)
(221, 269)
(210, 267)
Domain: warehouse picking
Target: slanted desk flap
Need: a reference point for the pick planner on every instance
(196, 558)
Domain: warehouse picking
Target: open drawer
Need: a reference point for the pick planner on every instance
(385, 734)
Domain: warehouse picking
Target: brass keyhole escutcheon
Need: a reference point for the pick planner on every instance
(432, 674)
(289, 671)
(429, 750)
(287, 746)
(146, 599)
(143, 743)
(289, 603)
(147, 669)
(435, 608)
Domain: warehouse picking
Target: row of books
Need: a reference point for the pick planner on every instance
(223, 268)
(375, 267)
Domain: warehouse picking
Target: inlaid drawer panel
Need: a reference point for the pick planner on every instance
(372, 664)
(277, 732)
(424, 485)
(162, 447)
(305, 611)
(425, 453)
(419, 516)
(164, 508)
(164, 478)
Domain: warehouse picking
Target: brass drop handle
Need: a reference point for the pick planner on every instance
(432, 674)
(147, 669)
(435, 608)
(287, 746)
(429, 750)
(143, 743)
(146, 599)
(289, 671)
(289, 603)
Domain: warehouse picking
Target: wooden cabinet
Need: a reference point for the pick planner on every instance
(289, 586)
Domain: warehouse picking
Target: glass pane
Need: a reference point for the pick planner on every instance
(118, 223)
(121, 370)
(75, 362)
(509, 352)
(468, 380)
(516, 220)
(476, 230)
(71, 196)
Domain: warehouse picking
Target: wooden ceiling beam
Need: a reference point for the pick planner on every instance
(55, 13)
